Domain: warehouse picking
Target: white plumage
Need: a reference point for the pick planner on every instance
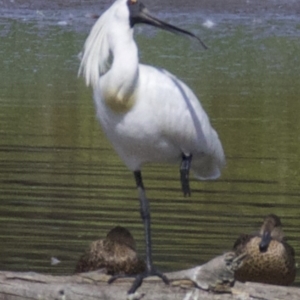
(147, 113)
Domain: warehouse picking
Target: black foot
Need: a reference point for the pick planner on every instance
(184, 174)
(140, 277)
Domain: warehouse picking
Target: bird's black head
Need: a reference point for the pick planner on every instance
(139, 14)
(135, 10)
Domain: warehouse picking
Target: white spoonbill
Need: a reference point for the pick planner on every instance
(147, 113)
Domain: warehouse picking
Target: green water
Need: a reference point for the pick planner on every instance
(62, 185)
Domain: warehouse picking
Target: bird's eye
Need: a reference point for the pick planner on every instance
(132, 2)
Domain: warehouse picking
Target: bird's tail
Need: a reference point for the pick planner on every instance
(208, 167)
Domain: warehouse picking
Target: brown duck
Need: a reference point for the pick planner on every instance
(269, 258)
(116, 253)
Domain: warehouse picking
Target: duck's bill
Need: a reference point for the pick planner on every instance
(143, 16)
(265, 241)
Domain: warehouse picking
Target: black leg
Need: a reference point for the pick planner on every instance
(145, 214)
(184, 174)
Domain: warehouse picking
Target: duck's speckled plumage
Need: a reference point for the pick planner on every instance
(116, 253)
(274, 264)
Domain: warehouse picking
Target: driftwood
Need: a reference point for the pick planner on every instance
(213, 280)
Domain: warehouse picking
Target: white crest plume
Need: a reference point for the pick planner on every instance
(96, 52)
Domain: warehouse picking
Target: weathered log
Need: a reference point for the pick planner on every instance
(204, 282)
